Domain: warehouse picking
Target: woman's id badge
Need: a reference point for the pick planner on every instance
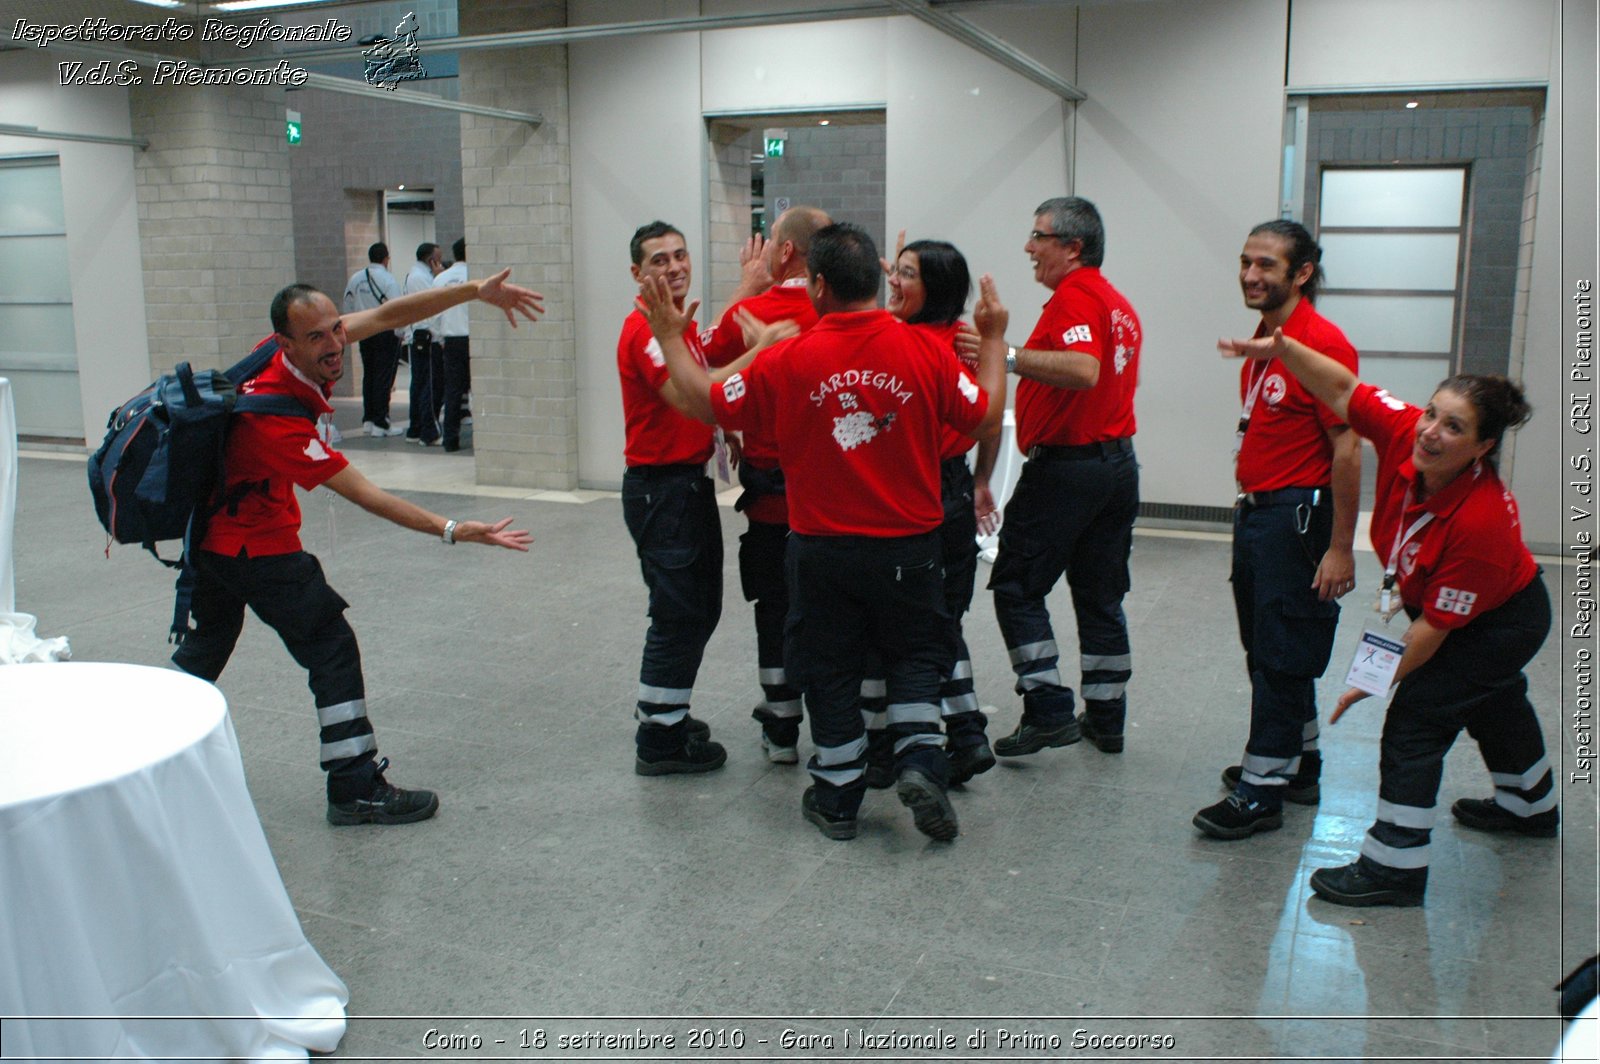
(1376, 661)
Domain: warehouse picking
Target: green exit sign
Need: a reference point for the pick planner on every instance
(774, 147)
(291, 127)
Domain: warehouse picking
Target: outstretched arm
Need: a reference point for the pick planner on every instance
(350, 483)
(1326, 378)
(407, 310)
(1422, 641)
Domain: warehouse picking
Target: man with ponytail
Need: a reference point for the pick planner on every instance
(1298, 468)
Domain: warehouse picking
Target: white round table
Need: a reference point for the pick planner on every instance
(143, 915)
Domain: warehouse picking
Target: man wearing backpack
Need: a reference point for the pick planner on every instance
(369, 287)
(251, 554)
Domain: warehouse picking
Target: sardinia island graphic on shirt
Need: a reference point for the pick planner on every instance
(857, 426)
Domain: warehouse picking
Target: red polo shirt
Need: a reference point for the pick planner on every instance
(655, 434)
(278, 453)
(784, 301)
(857, 406)
(952, 444)
(1085, 314)
(1286, 444)
(1469, 557)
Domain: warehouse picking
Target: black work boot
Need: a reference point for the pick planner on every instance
(382, 803)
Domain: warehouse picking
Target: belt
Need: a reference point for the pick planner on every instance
(1049, 452)
(1285, 497)
(954, 465)
(683, 469)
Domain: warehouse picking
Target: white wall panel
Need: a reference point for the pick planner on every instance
(778, 68)
(103, 252)
(637, 155)
(1178, 145)
(1419, 42)
(973, 148)
(1563, 252)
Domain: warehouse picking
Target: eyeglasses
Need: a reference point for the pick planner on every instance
(1036, 235)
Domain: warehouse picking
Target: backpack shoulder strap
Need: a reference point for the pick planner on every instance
(280, 405)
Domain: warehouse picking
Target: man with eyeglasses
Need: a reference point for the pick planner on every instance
(1073, 508)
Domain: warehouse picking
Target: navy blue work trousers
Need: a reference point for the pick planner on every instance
(291, 596)
(859, 603)
(671, 512)
(1473, 681)
(1069, 515)
(1287, 631)
(964, 724)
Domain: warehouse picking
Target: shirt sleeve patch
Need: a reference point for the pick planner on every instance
(1454, 600)
(315, 451)
(1397, 405)
(969, 390)
(653, 349)
(732, 388)
(1078, 334)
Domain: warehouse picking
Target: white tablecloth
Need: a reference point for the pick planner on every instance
(139, 902)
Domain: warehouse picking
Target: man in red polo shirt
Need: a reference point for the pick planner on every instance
(251, 554)
(763, 502)
(1299, 472)
(1073, 508)
(857, 406)
(670, 507)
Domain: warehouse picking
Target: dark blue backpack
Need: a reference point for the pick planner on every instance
(158, 475)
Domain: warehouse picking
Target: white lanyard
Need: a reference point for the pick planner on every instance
(1386, 604)
(1253, 394)
(1250, 397)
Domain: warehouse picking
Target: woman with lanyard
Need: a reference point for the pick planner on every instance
(928, 287)
(1447, 531)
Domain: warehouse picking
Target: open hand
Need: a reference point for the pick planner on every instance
(984, 509)
(655, 302)
(1346, 700)
(899, 246)
(1261, 347)
(759, 334)
(495, 535)
(989, 314)
(511, 298)
(966, 343)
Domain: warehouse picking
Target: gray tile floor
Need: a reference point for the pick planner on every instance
(558, 890)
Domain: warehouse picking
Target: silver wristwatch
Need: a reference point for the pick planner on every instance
(1011, 360)
(449, 535)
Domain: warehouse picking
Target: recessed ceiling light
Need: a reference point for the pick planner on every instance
(823, 122)
(402, 188)
(162, 3)
(1411, 105)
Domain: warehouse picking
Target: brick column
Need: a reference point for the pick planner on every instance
(214, 217)
(517, 195)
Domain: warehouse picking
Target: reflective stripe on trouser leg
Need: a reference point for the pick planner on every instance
(839, 766)
(1036, 666)
(1311, 737)
(1401, 836)
(664, 706)
(345, 733)
(964, 723)
(1525, 793)
(1279, 702)
(913, 724)
(1105, 679)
